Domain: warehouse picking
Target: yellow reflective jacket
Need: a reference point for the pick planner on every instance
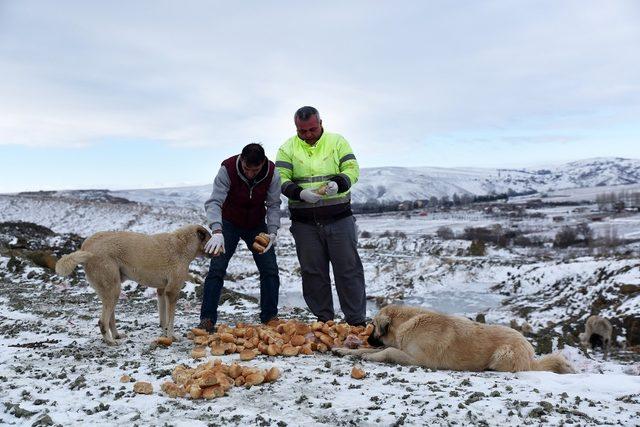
(304, 166)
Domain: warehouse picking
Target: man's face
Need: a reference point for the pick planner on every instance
(251, 171)
(309, 131)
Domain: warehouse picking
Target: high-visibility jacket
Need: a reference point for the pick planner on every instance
(304, 166)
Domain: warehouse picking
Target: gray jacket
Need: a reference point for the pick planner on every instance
(221, 185)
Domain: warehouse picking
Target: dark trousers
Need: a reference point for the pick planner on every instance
(318, 245)
(267, 266)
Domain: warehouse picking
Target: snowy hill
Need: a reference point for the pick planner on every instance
(387, 185)
(395, 184)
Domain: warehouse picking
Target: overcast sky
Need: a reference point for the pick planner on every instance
(146, 94)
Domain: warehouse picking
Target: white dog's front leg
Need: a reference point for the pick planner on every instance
(171, 300)
(162, 309)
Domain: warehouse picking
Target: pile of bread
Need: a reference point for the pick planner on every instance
(278, 337)
(210, 380)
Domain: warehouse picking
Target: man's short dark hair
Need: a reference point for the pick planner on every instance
(305, 113)
(253, 154)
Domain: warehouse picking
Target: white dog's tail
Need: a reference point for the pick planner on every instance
(555, 362)
(68, 263)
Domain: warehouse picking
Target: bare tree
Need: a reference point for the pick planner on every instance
(445, 233)
(584, 232)
(565, 237)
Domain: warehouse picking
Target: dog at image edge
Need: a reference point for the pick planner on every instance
(415, 336)
(159, 261)
(597, 332)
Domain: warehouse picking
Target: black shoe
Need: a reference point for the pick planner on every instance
(207, 325)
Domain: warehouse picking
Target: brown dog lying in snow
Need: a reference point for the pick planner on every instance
(415, 336)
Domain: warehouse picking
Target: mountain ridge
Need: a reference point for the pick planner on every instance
(392, 184)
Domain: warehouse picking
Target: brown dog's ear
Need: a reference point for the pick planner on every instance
(383, 325)
(203, 234)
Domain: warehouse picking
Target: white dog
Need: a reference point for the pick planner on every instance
(160, 261)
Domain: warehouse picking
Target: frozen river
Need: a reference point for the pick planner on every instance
(460, 302)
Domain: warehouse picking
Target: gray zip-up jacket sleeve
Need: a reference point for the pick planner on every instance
(213, 206)
(221, 185)
(273, 202)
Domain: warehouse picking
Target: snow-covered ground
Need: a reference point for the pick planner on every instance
(54, 367)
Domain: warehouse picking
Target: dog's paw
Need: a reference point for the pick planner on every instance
(338, 351)
(120, 336)
(111, 343)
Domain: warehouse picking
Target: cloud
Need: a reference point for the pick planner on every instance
(210, 74)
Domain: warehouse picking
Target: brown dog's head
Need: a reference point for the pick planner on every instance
(387, 321)
(382, 334)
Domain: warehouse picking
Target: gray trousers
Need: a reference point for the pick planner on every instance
(318, 245)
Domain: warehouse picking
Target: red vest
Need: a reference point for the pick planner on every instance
(244, 206)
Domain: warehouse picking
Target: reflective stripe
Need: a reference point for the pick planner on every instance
(283, 164)
(345, 176)
(350, 156)
(295, 204)
(306, 180)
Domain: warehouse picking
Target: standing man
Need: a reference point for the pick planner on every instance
(245, 191)
(318, 169)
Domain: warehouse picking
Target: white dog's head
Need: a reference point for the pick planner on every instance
(194, 236)
(203, 237)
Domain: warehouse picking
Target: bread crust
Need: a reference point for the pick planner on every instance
(263, 239)
(261, 242)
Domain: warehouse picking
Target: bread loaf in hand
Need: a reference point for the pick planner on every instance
(261, 242)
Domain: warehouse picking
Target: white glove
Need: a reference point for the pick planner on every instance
(272, 242)
(215, 245)
(332, 188)
(310, 196)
